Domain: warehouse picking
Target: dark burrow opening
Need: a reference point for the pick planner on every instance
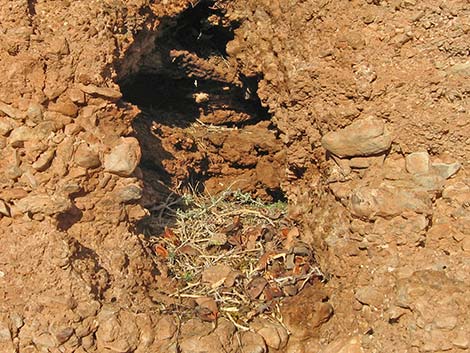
(204, 131)
(203, 127)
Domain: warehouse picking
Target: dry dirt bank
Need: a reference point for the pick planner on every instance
(357, 112)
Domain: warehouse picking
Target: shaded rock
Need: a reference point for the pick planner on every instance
(462, 340)
(44, 204)
(418, 163)
(117, 331)
(101, 91)
(252, 343)
(446, 170)
(76, 95)
(4, 208)
(363, 137)
(44, 340)
(20, 135)
(5, 333)
(388, 202)
(166, 328)
(359, 162)
(5, 126)
(123, 158)
(306, 312)
(200, 337)
(129, 193)
(63, 334)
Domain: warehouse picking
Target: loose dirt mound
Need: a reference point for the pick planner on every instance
(356, 112)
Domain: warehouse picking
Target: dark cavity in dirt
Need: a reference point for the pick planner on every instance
(202, 126)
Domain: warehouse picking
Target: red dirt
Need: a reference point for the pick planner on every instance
(390, 230)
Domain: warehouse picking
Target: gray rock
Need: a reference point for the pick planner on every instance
(124, 158)
(363, 137)
(129, 193)
(429, 182)
(446, 170)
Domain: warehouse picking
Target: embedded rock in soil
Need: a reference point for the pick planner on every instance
(388, 202)
(418, 163)
(345, 345)
(123, 158)
(304, 314)
(364, 137)
(331, 64)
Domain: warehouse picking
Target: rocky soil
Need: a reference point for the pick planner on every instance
(356, 112)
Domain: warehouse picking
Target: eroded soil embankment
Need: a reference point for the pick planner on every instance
(389, 223)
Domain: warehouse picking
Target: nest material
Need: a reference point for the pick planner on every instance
(233, 256)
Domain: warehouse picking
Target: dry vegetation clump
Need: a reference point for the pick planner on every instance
(229, 255)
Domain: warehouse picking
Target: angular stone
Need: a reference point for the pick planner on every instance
(44, 160)
(388, 202)
(363, 137)
(124, 158)
(85, 157)
(11, 111)
(129, 193)
(66, 107)
(76, 95)
(44, 204)
(35, 112)
(5, 126)
(446, 170)
(418, 163)
(462, 340)
(101, 91)
(4, 209)
(20, 135)
(166, 328)
(252, 343)
(429, 182)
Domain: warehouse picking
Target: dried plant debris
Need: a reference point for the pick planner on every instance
(230, 256)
